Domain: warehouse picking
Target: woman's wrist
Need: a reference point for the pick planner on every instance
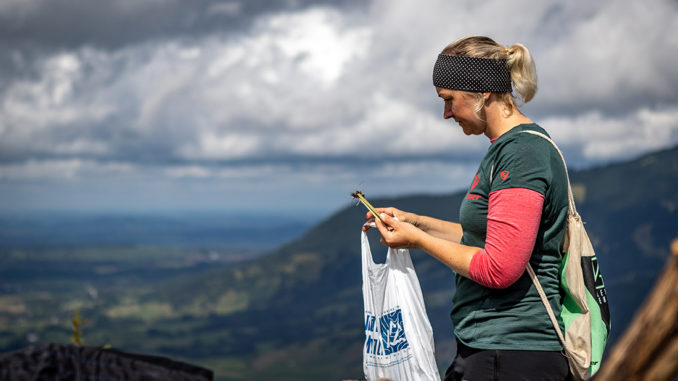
(417, 221)
(418, 239)
(408, 217)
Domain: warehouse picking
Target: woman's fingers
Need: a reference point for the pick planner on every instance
(384, 224)
(367, 226)
(391, 211)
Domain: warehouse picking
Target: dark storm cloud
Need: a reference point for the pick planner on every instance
(31, 29)
(67, 24)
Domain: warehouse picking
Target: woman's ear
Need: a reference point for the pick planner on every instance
(487, 96)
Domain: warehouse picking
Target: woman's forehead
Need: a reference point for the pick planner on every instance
(444, 92)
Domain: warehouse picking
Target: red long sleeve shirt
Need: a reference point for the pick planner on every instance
(512, 224)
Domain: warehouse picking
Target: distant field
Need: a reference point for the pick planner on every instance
(41, 288)
(52, 264)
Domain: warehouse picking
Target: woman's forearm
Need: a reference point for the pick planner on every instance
(401, 232)
(449, 231)
(453, 255)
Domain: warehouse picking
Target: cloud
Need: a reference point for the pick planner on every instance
(596, 137)
(70, 24)
(227, 146)
(68, 169)
(608, 55)
(323, 94)
(318, 42)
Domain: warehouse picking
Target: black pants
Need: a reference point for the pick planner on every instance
(499, 365)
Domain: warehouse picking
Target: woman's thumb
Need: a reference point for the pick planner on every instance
(386, 219)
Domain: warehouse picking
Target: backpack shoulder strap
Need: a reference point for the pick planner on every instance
(530, 271)
(546, 303)
(572, 207)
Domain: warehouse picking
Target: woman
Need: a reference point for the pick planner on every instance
(514, 213)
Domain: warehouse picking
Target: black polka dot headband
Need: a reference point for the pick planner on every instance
(472, 74)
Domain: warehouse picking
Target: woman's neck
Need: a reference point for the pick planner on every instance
(499, 120)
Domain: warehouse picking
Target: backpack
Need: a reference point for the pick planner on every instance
(585, 311)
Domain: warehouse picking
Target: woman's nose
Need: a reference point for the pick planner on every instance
(447, 113)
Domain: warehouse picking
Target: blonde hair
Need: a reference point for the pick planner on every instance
(518, 59)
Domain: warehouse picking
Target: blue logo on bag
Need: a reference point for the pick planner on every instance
(392, 333)
(372, 345)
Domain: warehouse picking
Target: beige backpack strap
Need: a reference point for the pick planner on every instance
(545, 300)
(535, 280)
(572, 208)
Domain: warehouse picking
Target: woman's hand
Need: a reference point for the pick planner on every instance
(440, 239)
(397, 228)
(398, 234)
(393, 212)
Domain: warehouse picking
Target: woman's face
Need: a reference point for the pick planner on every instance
(460, 107)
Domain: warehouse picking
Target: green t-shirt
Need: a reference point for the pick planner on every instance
(514, 318)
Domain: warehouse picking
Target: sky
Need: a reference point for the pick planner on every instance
(289, 106)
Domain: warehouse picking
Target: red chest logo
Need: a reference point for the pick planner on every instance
(475, 182)
(504, 175)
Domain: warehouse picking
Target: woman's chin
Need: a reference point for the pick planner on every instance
(470, 130)
(467, 131)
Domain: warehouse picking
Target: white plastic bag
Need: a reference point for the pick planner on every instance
(398, 334)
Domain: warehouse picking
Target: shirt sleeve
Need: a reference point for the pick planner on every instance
(522, 163)
(512, 225)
